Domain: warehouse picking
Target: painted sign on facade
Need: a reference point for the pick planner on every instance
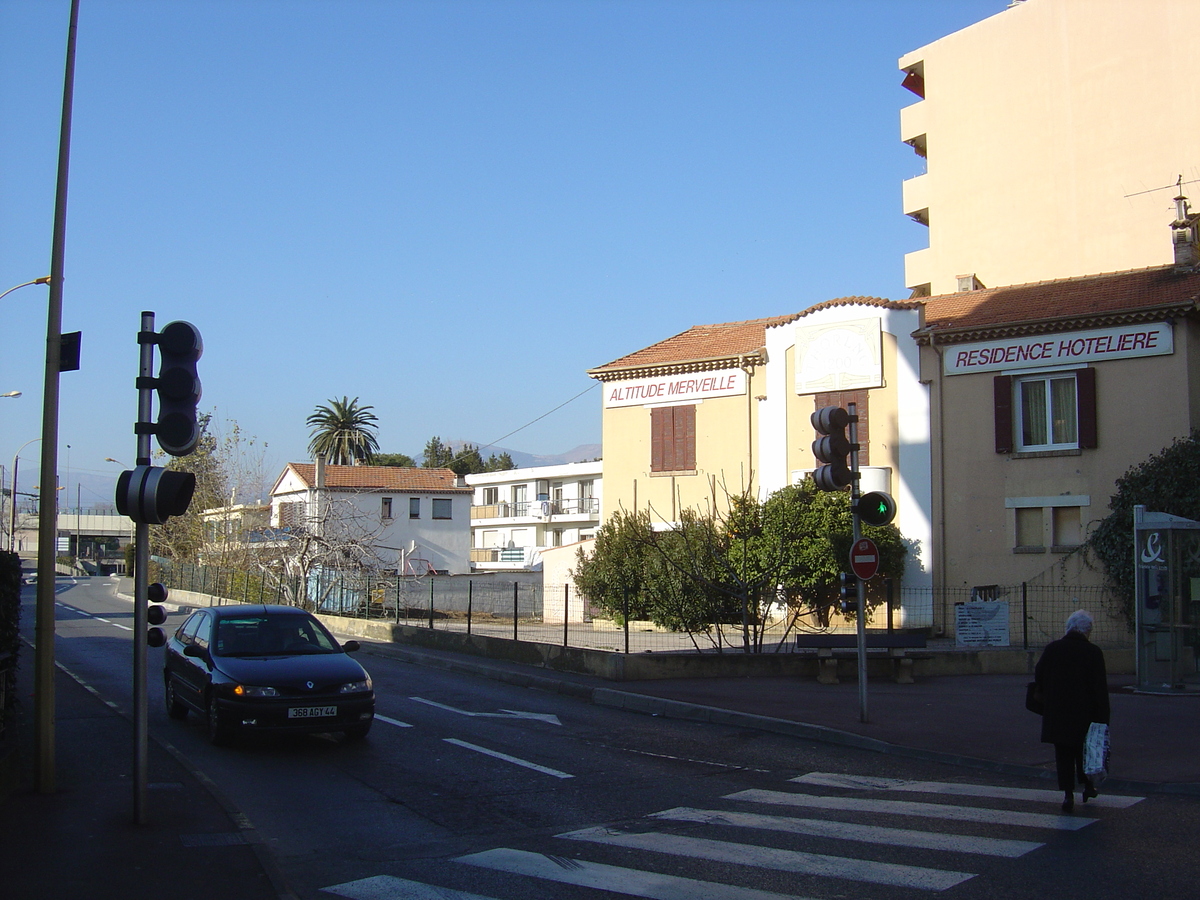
(845, 356)
(674, 390)
(1064, 348)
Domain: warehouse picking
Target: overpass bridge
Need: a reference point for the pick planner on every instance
(98, 534)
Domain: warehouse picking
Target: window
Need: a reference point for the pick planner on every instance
(491, 496)
(1067, 532)
(673, 439)
(385, 511)
(1045, 412)
(414, 507)
(441, 509)
(844, 399)
(1029, 529)
(556, 538)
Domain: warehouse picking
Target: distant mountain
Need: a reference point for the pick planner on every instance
(582, 453)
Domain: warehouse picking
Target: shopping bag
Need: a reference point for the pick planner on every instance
(1033, 698)
(1095, 750)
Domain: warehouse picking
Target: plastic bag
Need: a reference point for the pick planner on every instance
(1095, 750)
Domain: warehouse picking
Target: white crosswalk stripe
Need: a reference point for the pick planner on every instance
(912, 808)
(631, 882)
(846, 831)
(773, 858)
(954, 789)
(1013, 833)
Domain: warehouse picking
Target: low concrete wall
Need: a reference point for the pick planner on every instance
(654, 666)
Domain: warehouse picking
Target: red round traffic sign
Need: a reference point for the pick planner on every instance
(864, 558)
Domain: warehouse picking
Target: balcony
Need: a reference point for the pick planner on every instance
(577, 507)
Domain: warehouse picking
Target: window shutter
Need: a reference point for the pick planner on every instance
(657, 427)
(1085, 404)
(1002, 392)
(685, 429)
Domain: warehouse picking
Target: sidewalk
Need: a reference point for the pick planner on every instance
(81, 843)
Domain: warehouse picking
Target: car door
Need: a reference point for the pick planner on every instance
(194, 671)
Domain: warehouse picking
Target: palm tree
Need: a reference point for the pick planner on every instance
(343, 432)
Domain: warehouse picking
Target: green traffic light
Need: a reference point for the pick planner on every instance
(876, 508)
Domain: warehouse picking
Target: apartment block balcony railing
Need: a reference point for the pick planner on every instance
(575, 506)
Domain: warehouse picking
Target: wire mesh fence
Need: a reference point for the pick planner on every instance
(519, 606)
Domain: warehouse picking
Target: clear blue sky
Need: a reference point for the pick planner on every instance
(448, 209)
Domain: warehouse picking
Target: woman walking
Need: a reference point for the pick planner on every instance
(1074, 689)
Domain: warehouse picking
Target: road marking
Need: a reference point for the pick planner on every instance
(633, 882)
(549, 718)
(909, 808)
(873, 834)
(504, 756)
(688, 759)
(396, 722)
(385, 887)
(842, 867)
(996, 792)
(91, 616)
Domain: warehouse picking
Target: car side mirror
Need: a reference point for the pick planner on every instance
(350, 646)
(195, 651)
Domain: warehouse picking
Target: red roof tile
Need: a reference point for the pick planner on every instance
(382, 478)
(1087, 301)
(723, 342)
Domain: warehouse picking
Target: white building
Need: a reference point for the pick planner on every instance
(415, 520)
(515, 514)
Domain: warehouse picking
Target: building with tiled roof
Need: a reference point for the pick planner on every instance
(718, 409)
(1043, 395)
(411, 520)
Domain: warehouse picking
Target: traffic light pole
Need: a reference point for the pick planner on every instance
(860, 586)
(141, 577)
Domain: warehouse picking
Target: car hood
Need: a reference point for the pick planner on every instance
(322, 669)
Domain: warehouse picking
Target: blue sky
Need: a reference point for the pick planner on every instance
(450, 210)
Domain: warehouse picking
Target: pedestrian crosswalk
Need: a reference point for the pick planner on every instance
(844, 828)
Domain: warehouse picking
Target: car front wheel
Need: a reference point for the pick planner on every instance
(219, 733)
(176, 709)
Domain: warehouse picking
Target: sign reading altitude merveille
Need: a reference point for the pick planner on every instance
(675, 389)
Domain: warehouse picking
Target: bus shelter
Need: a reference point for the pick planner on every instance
(1167, 601)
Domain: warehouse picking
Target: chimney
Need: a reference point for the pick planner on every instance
(969, 283)
(1185, 237)
(320, 485)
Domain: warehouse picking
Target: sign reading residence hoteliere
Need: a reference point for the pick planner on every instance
(672, 390)
(1063, 348)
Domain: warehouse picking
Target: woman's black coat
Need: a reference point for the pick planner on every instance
(1074, 689)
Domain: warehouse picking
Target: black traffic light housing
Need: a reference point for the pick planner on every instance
(876, 508)
(178, 387)
(848, 591)
(156, 615)
(152, 494)
(832, 448)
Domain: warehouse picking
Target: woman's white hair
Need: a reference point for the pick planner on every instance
(1081, 621)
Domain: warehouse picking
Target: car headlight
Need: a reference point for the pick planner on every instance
(355, 687)
(250, 690)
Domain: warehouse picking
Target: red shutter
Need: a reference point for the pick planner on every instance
(1085, 407)
(657, 425)
(685, 436)
(1002, 392)
(673, 439)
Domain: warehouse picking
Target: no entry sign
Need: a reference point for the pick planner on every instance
(864, 558)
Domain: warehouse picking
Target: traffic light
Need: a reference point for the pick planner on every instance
(832, 448)
(178, 386)
(156, 615)
(848, 590)
(876, 508)
(152, 494)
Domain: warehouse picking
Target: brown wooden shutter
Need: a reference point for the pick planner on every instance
(685, 437)
(658, 418)
(1085, 407)
(673, 438)
(1002, 392)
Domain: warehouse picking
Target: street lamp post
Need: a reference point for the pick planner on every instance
(12, 522)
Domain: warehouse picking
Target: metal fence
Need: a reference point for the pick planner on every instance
(519, 606)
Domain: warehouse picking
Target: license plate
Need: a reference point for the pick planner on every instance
(311, 712)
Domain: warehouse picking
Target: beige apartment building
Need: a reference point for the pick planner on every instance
(1051, 139)
(719, 409)
(1042, 396)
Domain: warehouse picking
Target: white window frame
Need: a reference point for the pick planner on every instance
(1019, 411)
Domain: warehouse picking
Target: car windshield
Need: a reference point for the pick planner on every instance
(267, 635)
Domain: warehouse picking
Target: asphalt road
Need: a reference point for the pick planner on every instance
(473, 786)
